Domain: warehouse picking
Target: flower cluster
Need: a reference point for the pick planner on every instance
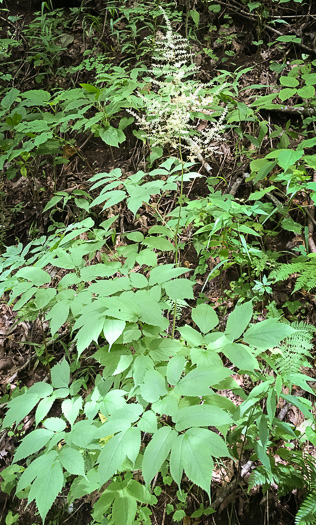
(169, 107)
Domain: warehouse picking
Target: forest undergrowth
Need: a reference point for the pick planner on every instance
(158, 262)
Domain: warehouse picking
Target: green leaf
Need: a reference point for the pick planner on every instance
(288, 157)
(159, 243)
(192, 336)
(198, 381)
(240, 356)
(175, 368)
(112, 136)
(195, 15)
(60, 374)
(72, 461)
(156, 452)
(286, 93)
(140, 493)
(58, 315)
(55, 424)
(114, 453)
(201, 416)
(112, 329)
(124, 509)
(164, 273)
(46, 488)
(191, 452)
(19, 407)
(153, 387)
(10, 97)
(35, 275)
(70, 408)
(148, 422)
(291, 226)
(238, 320)
(267, 334)
(306, 92)
(289, 81)
(43, 408)
(32, 443)
(205, 317)
(179, 289)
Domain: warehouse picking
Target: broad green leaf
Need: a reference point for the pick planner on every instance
(198, 381)
(43, 296)
(32, 443)
(201, 416)
(46, 488)
(113, 454)
(289, 225)
(159, 243)
(124, 509)
(35, 275)
(55, 424)
(267, 334)
(287, 158)
(306, 92)
(70, 408)
(192, 336)
(238, 320)
(90, 273)
(19, 407)
(179, 289)
(240, 356)
(83, 433)
(112, 136)
(60, 374)
(148, 422)
(43, 408)
(10, 97)
(286, 93)
(147, 257)
(112, 329)
(153, 387)
(58, 315)
(289, 81)
(175, 368)
(140, 493)
(40, 465)
(156, 452)
(164, 273)
(72, 461)
(196, 459)
(205, 317)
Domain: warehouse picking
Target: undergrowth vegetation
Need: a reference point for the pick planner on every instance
(172, 326)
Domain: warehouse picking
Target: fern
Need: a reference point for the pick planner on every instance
(307, 511)
(180, 304)
(295, 350)
(305, 268)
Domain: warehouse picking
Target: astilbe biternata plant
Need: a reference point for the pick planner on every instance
(168, 110)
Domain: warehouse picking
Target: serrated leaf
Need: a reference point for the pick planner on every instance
(287, 158)
(19, 407)
(195, 459)
(71, 408)
(267, 334)
(113, 454)
(32, 443)
(124, 509)
(198, 381)
(201, 416)
(205, 317)
(58, 315)
(112, 329)
(153, 387)
(238, 320)
(43, 408)
(156, 452)
(165, 272)
(46, 488)
(148, 422)
(240, 356)
(72, 461)
(60, 374)
(140, 493)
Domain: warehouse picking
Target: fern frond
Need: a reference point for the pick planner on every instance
(180, 304)
(307, 511)
(295, 350)
(306, 270)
